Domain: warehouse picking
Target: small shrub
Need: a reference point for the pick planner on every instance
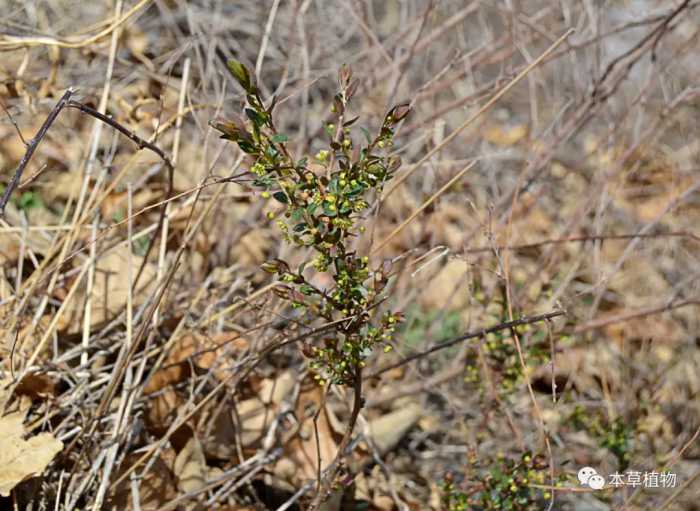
(501, 484)
(615, 435)
(321, 206)
(501, 356)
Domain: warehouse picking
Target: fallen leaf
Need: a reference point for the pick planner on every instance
(255, 416)
(333, 502)
(6, 289)
(220, 443)
(383, 503)
(22, 459)
(111, 288)
(155, 489)
(216, 352)
(448, 288)
(114, 207)
(11, 243)
(252, 247)
(5, 382)
(161, 410)
(257, 413)
(36, 385)
(388, 430)
(29, 337)
(191, 468)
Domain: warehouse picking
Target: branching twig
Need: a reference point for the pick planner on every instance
(65, 101)
(31, 147)
(465, 337)
(12, 121)
(333, 468)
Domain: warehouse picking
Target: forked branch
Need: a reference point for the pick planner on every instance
(32, 145)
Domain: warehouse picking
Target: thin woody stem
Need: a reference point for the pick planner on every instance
(65, 101)
(465, 337)
(31, 147)
(583, 239)
(331, 472)
(143, 144)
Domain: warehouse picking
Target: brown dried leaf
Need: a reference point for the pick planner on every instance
(11, 243)
(115, 205)
(191, 468)
(22, 459)
(257, 413)
(5, 382)
(216, 352)
(111, 288)
(252, 248)
(155, 490)
(161, 409)
(383, 503)
(36, 385)
(449, 288)
(28, 338)
(388, 430)
(255, 416)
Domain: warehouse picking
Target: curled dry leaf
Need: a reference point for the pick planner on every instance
(22, 459)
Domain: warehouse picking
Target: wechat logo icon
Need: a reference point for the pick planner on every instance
(588, 476)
